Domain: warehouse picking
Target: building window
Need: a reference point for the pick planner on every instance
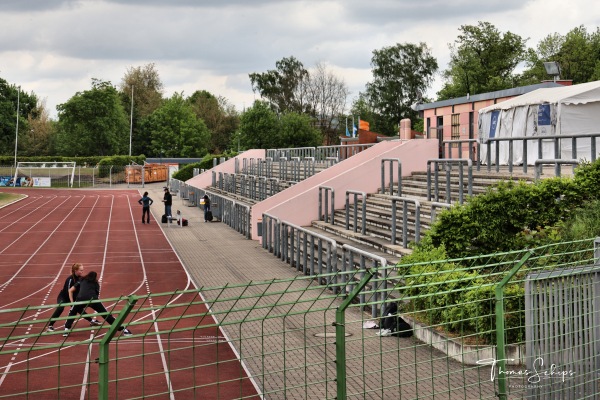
(455, 129)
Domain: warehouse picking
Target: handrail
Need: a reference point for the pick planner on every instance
(539, 164)
(356, 193)
(448, 166)
(391, 161)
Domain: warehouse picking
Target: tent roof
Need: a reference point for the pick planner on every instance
(576, 94)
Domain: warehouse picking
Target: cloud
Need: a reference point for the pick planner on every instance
(55, 48)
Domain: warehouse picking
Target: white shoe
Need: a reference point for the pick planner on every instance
(50, 328)
(95, 322)
(67, 330)
(127, 332)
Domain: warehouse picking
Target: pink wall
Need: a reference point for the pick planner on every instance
(204, 179)
(300, 203)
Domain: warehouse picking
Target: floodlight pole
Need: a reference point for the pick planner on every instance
(131, 123)
(17, 130)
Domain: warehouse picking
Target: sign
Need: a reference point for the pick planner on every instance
(42, 182)
(544, 115)
(494, 123)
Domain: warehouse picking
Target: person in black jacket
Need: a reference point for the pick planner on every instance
(146, 202)
(89, 289)
(63, 296)
(206, 202)
(168, 200)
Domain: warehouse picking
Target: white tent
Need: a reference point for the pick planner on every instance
(564, 110)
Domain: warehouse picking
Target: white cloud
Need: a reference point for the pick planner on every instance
(55, 48)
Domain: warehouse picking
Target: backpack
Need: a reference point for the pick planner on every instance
(164, 219)
(183, 221)
(392, 322)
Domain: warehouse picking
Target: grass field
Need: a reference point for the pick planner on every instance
(6, 198)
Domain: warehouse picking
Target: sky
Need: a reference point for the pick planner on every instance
(55, 47)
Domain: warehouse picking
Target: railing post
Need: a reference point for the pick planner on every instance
(103, 353)
(340, 336)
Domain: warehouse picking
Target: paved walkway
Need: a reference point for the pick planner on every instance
(277, 349)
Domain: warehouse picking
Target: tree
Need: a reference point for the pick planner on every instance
(37, 140)
(145, 85)
(175, 131)
(401, 73)
(10, 95)
(93, 122)
(284, 86)
(297, 130)
(259, 127)
(482, 60)
(220, 118)
(326, 98)
(578, 54)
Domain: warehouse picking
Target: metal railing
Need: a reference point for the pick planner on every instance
(417, 213)
(327, 204)
(539, 165)
(447, 164)
(355, 194)
(390, 180)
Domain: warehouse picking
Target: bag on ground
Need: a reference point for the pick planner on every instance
(392, 324)
(164, 219)
(209, 216)
(184, 222)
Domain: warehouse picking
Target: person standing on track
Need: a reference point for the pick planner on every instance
(89, 289)
(63, 296)
(146, 202)
(168, 200)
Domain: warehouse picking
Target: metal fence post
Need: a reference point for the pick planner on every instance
(103, 355)
(340, 335)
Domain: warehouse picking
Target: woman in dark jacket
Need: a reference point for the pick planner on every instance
(63, 296)
(206, 202)
(89, 289)
(146, 202)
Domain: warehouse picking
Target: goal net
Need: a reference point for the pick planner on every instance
(44, 174)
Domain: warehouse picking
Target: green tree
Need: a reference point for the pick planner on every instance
(93, 122)
(37, 140)
(482, 60)
(578, 54)
(401, 73)
(175, 131)
(144, 85)
(220, 118)
(283, 87)
(259, 126)
(297, 130)
(10, 95)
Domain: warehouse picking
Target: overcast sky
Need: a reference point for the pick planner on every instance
(55, 47)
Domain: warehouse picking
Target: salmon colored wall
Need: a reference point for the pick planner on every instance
(204, 179)
(299, 204)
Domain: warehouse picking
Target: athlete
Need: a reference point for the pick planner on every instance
(146, 202)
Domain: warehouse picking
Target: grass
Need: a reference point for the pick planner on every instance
(6, 198)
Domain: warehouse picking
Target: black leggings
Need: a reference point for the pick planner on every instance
(98, 307)
(58, 311)
(146, 213)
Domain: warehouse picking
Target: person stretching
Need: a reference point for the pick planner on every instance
(63, 296)
(89, 289)
(146, 202)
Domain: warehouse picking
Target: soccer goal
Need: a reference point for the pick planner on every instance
(44, 174)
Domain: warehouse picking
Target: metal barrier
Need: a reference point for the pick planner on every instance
(417, 214)
(355, 194)
(326, 197)
(434, 205)
(391, 162)
(448, 167)
(555, 140)
(539, 165)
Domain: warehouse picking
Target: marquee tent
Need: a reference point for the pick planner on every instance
(558, 111)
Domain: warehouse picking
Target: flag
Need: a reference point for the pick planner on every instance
(347, 132)
(353, 129)
(364, 125)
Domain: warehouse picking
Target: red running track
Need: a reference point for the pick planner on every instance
(40, 238)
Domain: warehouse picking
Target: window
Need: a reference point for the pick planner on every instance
(455, 129)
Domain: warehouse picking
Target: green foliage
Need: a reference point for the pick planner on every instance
(296, 130)
(482, 60)
(401, 74)
(9, 94)
(93, 122)
(176, 131)
(259, 127)
(122, 160)
(220, 118)
(187, 171)
(281, 86)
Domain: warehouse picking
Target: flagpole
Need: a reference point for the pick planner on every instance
(17, 130)
(131, 123)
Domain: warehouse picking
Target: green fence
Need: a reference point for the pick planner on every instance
(312, 337)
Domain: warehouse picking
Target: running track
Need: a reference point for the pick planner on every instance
(41, 237)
